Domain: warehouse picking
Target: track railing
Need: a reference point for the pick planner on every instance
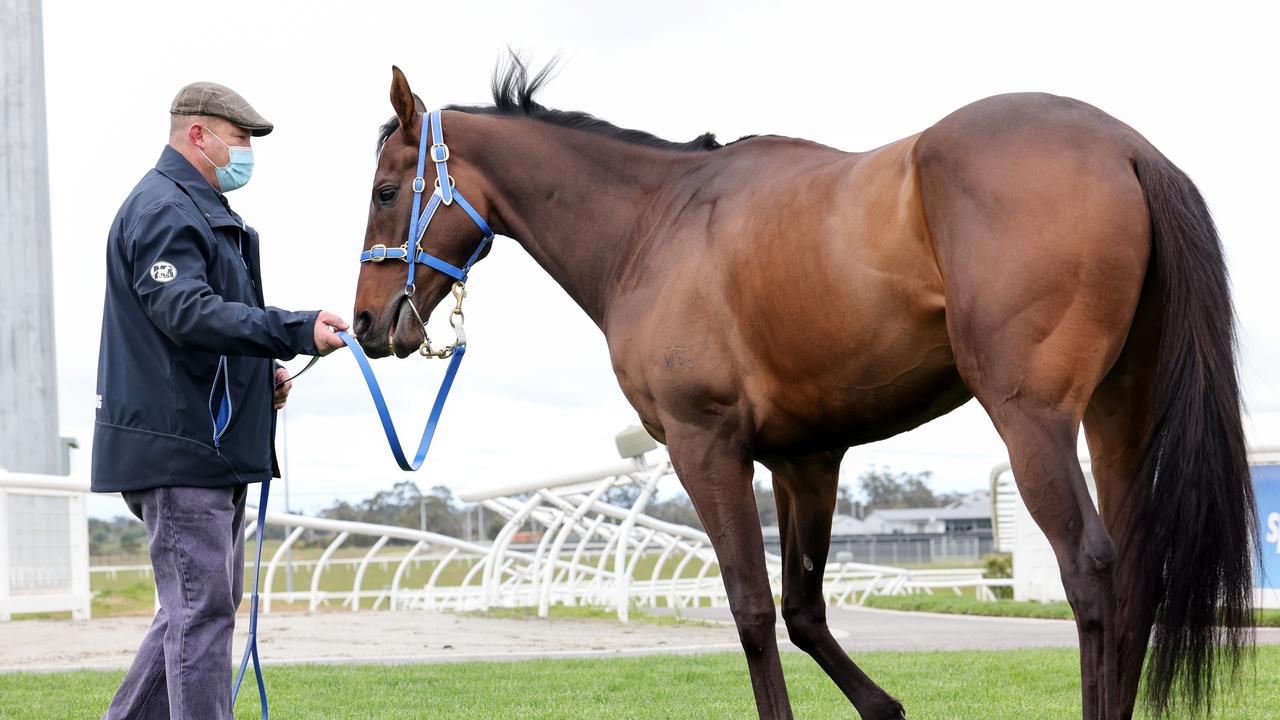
(577, 540)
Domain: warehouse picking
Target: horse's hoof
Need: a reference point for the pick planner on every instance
(890, 709)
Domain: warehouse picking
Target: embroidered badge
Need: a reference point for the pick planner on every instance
(163, 271)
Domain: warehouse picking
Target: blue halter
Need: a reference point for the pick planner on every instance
(445, 193)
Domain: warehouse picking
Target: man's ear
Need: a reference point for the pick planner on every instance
(195, 132)
(407, 105)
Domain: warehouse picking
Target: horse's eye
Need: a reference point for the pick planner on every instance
(386, 195)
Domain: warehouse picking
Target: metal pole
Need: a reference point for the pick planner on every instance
(29, 439)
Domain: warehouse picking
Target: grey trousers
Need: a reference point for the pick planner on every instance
(183, 669)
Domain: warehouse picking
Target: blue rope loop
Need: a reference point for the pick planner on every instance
(380, 404)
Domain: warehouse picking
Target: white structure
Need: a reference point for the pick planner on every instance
(44, 545)
(1035, 568)
(1005, 502)
(29, 439)
(564, 542)
(576, 548)
(588, 549)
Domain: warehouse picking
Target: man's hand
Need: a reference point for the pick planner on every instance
(326, 336)
(283, 386)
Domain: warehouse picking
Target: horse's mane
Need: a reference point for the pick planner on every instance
(513, 90)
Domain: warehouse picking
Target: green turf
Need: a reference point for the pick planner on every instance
(967, 605)
(1013, 685)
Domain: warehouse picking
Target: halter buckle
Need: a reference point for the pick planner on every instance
(373, 253)
(439, 155)
(419, 184)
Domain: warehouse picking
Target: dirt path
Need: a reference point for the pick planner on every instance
(363, 637)
(414, 637)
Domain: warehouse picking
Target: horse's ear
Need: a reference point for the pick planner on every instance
(407, 105)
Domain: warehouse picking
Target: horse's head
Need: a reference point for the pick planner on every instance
(383, 318)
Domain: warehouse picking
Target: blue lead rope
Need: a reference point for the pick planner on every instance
(393, 440)
(251, 649)
(384, 415)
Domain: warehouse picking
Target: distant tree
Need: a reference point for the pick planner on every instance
(624, 495)
(98, 540)
(916, 491)
(131, 541)
(886, 489)
(846, 501)
(675, 509)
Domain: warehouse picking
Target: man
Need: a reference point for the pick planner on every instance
(186, 395)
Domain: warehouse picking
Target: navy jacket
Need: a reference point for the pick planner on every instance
(186, 337)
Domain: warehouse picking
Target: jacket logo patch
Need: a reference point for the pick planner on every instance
(163, 272)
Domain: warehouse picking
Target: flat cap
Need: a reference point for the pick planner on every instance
(207, 98)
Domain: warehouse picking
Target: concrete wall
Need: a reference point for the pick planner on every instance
(29, 440)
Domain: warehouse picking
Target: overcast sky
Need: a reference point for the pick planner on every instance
(537, 395)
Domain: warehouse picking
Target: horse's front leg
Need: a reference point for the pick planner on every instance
(717, 474)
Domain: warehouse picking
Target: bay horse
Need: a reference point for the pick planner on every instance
(777, 300)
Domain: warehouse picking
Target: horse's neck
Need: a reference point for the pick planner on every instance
(573, 200)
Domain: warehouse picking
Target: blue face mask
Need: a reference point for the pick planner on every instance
(239, 167)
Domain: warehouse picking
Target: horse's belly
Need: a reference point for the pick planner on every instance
(799, 418)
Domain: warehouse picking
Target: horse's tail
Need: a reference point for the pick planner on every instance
(1199, 518)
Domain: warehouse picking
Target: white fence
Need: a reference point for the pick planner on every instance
(44, 545)
(563, 543)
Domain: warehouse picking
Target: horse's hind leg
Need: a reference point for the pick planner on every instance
(1115, 426)
(1035, 387)
(805, 491)
(1042, 452)
(717, 475)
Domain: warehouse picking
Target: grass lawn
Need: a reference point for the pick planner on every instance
(968, 605)
(1014, 685)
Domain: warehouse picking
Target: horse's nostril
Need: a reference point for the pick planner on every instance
(364, 320)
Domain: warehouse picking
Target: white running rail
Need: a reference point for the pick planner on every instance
(564, 543)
